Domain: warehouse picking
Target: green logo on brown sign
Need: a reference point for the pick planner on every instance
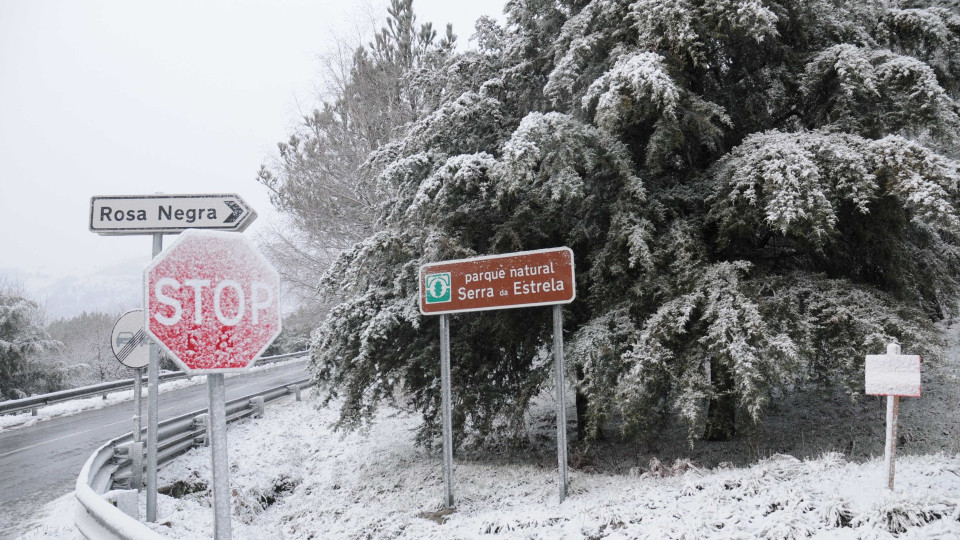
(437, 288)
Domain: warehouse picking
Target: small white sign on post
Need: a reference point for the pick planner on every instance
(892, 375)
(129, 341)
(131, 347)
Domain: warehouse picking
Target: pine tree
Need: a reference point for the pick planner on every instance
(319, 180)
(86, 350)
(757, 193)
(21, 337)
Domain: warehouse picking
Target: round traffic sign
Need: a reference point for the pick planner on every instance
(128, 340)
(212, 301)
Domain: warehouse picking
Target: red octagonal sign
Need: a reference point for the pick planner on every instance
(212, 302)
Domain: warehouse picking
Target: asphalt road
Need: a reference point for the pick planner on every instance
(41, 462)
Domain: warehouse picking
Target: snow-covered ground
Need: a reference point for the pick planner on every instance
(295, 478)
(74, 406)
(292, 477)
(54, 520)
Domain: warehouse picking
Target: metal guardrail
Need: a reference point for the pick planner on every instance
(32, 403)
(107, 480)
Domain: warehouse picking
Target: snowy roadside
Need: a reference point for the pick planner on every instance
(55, 520)
(292, 477)
(74, 406)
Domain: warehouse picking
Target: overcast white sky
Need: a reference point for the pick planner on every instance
(109, 97)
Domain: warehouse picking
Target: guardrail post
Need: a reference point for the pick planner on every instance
(258, 407)
(204, 420)
(136, 465)
(135, 451)
(126, 500)
(33, 411)
(294, 389)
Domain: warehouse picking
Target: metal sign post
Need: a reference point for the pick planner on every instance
(218, 453)
(153, 411)
(561, 402)
(890, 448)
(137, 405)
(445, 405)
(512, 280)
(892, 375)
(129, 344)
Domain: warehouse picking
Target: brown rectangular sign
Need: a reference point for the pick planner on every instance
(529, 278)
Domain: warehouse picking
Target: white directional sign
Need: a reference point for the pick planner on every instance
(147, 214)
(129, 341)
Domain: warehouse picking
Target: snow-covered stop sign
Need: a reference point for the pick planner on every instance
(212, 302)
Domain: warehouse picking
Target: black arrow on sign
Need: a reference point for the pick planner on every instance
(237, 211)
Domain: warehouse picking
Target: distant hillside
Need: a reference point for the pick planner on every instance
(109, 289)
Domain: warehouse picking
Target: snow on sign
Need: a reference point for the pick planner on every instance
(893, 374)
(524, 279)
(212, 302)
(144, 214)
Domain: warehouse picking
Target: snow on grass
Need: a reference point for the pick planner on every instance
(74, 406)
(292, 477)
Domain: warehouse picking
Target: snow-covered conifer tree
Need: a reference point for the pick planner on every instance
(757, 194)
(21, 337)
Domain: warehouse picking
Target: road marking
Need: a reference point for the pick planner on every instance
(100, 427)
